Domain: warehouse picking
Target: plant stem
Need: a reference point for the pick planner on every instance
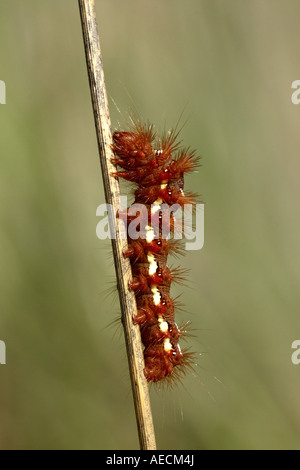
(112, 194)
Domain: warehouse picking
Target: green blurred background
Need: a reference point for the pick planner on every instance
(229, 65)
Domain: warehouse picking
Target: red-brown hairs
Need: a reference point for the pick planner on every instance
(157, 167)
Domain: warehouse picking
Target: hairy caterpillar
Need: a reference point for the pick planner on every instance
(157, 167)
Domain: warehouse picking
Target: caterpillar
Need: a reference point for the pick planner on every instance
(157, 167)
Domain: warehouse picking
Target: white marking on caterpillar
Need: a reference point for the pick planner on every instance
(156, 205)
(163, 325)
(152, 264)
(156, 295)
(167, 345)
(150, 235)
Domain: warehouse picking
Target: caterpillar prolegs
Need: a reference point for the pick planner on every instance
(157, 167)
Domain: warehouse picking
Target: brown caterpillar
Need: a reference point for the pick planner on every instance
(159, 176)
